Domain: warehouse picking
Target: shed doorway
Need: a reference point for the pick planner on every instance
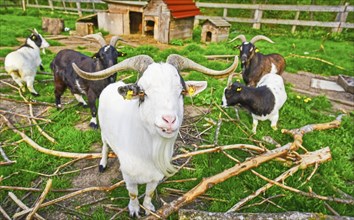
(135, 21)
(149, 28)
(208, 36)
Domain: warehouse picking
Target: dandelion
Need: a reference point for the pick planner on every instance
(307, 100)
(299, 97)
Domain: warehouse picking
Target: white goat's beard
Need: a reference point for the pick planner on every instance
(162, 150)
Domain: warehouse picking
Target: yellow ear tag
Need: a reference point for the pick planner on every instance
(238, 80)
(238, 89)
(257, 50)
(129, 95)
(191, 90)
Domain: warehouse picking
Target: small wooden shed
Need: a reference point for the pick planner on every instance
(122, 17)
(215, 30)
(164, 20)
(169, 19)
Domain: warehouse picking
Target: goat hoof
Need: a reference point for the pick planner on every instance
(93, 125)
(35, 94)
(101, 168)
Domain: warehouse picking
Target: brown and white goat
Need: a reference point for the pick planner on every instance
(254, 64)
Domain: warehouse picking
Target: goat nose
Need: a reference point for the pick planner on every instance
(169, 119)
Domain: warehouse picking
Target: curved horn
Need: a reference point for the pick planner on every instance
(138, 63)
(241, 36)
(114, 40)
(98, 37)
(182, 63)
(260, 37)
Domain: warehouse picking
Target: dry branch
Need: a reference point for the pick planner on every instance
(311, 194)
(209, 182)
(22, 205)
(24, 116)
(6, 216)
(39, 148)
(40, 200)
(319, 156)
(68, 196)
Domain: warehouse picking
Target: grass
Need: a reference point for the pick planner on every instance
(335, 174)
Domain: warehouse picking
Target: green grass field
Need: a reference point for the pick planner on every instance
(332, 178)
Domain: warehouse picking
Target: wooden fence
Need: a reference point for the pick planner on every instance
(73, 6)
(337, 25)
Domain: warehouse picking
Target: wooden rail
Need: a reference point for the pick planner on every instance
(67, 5)
(337, 25)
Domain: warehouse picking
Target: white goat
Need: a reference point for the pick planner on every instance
(142, 123)
(22, 63)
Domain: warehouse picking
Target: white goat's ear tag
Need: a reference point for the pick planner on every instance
(129, 95)
(195, 87)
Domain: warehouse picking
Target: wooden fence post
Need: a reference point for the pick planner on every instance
(225, 12)
(50, 3)
(78, 5)
(23, 5)
(341, 18)
(296, 18)
(257, 17)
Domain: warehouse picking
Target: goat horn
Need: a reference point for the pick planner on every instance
(241, 36)
(138, 63)
(98, 37)
(260, 37)
(114, 40)
(181, 63)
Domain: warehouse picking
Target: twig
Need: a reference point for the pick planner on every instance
(315, 58)
(331, 209)
(68, 196)
(91, 203)
(6, 216)
(311, 195)
(4, 155)
(21, 204)
(24, 116)
(217, 131)
(3, 97)
(40, 200)
(39, 148)
(180, 181)
(220, 148)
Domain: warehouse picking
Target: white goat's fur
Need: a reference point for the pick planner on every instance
(22, 64)
(276, 84)
(135, 131)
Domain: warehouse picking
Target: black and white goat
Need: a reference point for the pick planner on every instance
(66, 77)
(264, 101)
(254, 64)
(22, 63)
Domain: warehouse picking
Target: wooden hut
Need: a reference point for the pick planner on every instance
(122, 17)
(164, 20)
(215, 30)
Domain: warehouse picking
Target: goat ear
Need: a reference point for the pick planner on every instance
(238, 47)
(96, 55)
(130, 91)
(194, 87)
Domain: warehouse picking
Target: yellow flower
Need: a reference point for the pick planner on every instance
(299, 97)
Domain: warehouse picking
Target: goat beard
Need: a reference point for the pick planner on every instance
(162, 150)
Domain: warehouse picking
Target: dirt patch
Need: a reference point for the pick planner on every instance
(341, 101)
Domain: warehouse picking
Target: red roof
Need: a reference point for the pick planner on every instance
(182, 8)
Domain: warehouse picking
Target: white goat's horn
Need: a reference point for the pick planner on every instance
(260, 37)
(114, 40)
(181, 63)
(98, 37)
(241, 37)
(138, 63)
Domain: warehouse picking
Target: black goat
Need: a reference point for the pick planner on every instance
(254, 64)
(66, 77)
